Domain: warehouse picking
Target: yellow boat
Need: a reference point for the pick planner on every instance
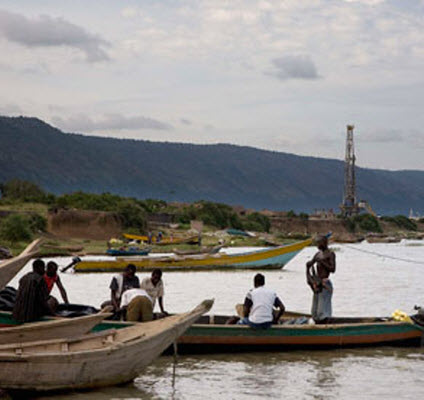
(165, 240)
(273, 258)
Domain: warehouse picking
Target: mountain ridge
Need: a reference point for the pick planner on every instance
(257, 178)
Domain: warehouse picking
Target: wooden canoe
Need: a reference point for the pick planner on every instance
(13, 332)
(164, 241)
(211, 334)
(274, 258)
(10, 267)
(105, 358)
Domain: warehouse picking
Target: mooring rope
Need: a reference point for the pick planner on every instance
(385, 255)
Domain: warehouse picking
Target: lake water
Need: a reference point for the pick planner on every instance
(365, 284)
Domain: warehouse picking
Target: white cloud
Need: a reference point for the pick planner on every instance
(46, 31)
(109, 122)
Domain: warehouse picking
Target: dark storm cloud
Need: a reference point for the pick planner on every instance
(294, 67)
(46, 31)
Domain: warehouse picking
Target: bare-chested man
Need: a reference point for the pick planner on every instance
(319, 281)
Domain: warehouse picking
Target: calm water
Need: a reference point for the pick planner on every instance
(365, 284)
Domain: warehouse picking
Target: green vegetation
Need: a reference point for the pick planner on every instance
(257, 222)
(365, 222)
(15, 228)
(222, 216)
(402, 222)
(24, 191)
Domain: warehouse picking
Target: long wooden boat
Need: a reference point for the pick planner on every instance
(211, 334)
(128, 252)
(274, 258)
(13, 332)
(10, 267)
(109, 357)
(194, 239)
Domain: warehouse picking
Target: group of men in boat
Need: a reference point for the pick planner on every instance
(129, 298)
(135, 302)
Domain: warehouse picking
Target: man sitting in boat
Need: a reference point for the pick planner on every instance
(154, 288)
(319, 281)
(31, 300)
(123, 282)
(259, 306)
(138, 305)
(51, 277)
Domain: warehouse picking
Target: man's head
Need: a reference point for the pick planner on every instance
(322, 242)
(156, 276)
(259, 280)
(38, 266)
(129, 271)
(51, 269)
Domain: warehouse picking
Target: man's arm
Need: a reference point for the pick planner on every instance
(331, 265)
(279, 304)
(311, 262)
(62, 290)
(247, 306)
(160, 300)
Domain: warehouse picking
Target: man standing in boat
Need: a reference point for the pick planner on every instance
(319, 280)
(122, 282)
(259, 306)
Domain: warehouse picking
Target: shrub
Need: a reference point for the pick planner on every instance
(37, 223)
(25, 191)
(132, 214)
(257, 222)
(367, 222)
(15, 228)
(402, 222)
(304, 216)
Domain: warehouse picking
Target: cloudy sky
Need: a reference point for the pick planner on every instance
(282, 75)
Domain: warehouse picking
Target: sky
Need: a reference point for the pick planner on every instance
(284, 75)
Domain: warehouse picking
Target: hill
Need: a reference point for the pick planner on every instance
(62, 162)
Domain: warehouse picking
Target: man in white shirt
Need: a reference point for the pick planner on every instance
(259, 305)
(138, 304)
(154, 287)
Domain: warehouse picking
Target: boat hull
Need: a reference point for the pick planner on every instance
(99, 359)
(11, 332)
(206, 338)
(274, 258)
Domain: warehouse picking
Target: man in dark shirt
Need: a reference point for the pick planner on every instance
(31, 299)
(122, 282)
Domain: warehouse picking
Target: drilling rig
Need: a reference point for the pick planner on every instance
(349, 206)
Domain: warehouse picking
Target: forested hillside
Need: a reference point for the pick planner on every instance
(61, 162)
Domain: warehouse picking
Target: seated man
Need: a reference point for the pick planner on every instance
(138, 305)
(154, 288)
(259, 305)
(51, 277)
(122, 282)
(32, 297)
